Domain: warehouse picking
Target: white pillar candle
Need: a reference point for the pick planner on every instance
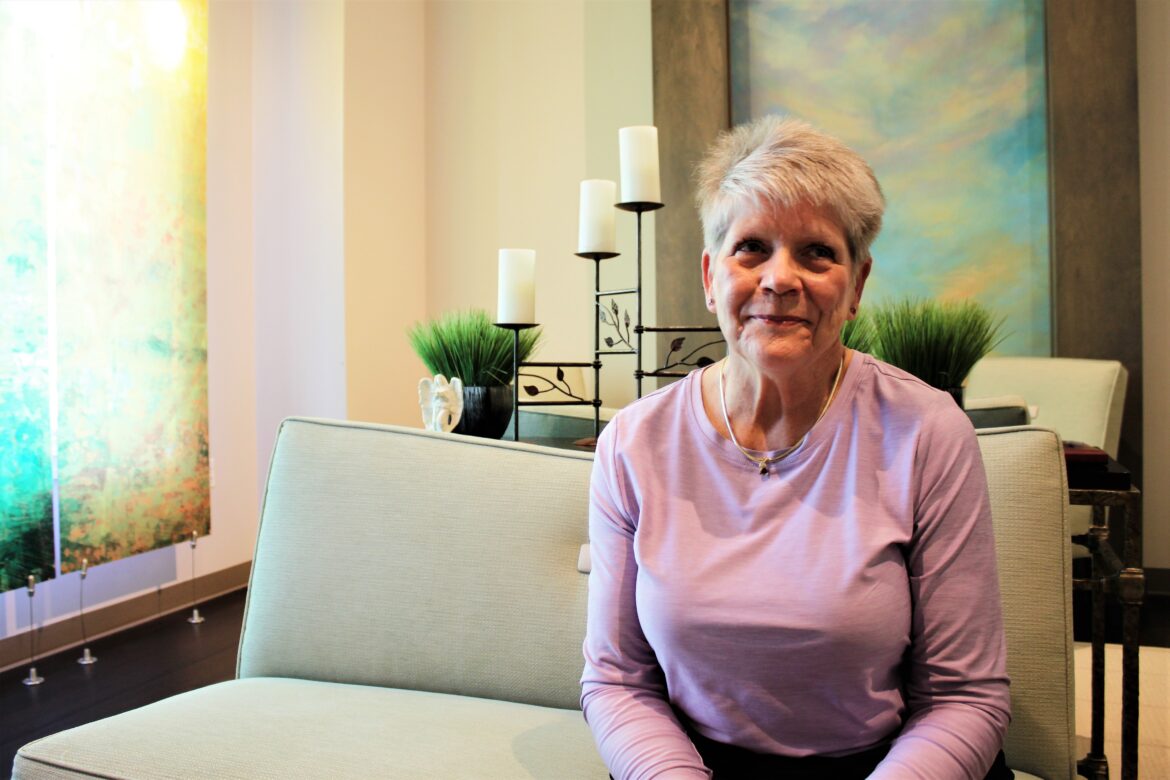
(639, 163)
(516, 297)
(597, 232)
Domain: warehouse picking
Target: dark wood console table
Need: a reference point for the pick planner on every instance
(1118, 511)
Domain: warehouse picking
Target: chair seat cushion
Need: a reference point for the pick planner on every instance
(285, 728)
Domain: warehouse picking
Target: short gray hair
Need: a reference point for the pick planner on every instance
(781, 162)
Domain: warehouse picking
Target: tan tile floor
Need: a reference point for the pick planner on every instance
(1154, 701)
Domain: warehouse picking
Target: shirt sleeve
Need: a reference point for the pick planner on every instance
(956, 684)
(623, 689)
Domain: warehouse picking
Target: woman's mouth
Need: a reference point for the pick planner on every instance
(779, 319)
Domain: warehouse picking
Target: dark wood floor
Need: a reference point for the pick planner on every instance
(135, 667)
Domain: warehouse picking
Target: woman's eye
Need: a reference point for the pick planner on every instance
(822, 251)
(751, 246)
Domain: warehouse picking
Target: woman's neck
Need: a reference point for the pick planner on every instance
(770, 411)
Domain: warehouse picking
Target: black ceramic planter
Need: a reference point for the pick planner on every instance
(486, 411)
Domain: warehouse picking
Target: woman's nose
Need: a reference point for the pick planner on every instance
(780, 274)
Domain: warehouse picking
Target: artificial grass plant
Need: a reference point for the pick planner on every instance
(467, 345)
(935, 341)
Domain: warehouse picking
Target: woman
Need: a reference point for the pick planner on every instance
(793, 563)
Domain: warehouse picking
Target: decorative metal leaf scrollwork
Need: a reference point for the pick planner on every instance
(613, 317)
(688, 359)
(560, 385)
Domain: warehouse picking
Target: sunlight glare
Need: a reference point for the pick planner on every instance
(166, 33)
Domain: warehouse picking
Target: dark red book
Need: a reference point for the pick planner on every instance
(1084, 454)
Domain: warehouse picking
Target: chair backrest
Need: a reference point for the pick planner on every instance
(409, 559)
(1029, 491)
(1082, 400)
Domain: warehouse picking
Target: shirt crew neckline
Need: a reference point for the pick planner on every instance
(820, 432)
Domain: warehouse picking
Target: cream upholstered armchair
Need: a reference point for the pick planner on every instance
(1028, 489)
(1080, 399)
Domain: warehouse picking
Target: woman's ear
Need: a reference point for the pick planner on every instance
(859, 285)
(708, 291)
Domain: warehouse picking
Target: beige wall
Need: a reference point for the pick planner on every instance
(506, 150)
(385, 206)
(297, 207)
(236, 467)
(1153, 23)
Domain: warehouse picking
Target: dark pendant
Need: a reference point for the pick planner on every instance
(764, 467)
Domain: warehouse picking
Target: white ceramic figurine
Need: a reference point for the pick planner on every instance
(441, 402)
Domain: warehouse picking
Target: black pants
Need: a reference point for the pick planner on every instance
(729, 762)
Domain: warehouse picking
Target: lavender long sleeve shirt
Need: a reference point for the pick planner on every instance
(845, 600)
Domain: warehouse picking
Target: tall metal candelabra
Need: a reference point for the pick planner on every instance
(515, 327)
(631, 339)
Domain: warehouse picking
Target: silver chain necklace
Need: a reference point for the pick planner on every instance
(766, 461)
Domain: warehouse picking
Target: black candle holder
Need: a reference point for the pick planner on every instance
(596, 257)
(633, 331)
(515, 327)
(639, 207)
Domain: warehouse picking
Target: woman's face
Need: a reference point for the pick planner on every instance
(782, 285)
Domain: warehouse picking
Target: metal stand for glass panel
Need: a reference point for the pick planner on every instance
(33, 678)
(195, 618)
(87, 658)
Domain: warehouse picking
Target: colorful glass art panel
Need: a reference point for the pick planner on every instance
(26, 478)
(947, 101)
(102, 229)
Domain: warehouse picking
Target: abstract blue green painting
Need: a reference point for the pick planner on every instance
(103, 282)
(947, 101)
